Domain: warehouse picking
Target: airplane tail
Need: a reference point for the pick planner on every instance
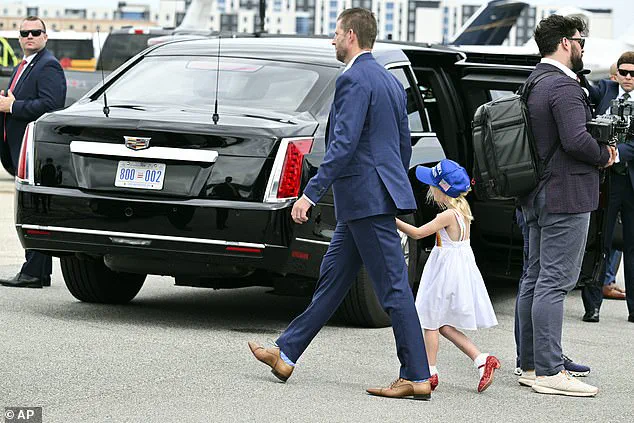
(197, 17)
(489, 25)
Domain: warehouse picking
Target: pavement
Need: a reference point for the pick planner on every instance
(180, 354)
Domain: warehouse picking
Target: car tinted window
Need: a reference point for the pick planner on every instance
(191, 81)
(415, 123)
(119, 48)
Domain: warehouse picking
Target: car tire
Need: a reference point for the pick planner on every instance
(361, 306)
(90, 280)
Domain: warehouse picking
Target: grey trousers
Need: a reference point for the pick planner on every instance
(555, 251)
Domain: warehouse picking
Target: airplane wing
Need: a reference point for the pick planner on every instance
(489, 25)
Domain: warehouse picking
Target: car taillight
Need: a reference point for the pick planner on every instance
(286, 177)
(25, 164)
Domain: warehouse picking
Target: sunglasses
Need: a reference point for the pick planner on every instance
(34, 32)
(624, 72)
(582, 41)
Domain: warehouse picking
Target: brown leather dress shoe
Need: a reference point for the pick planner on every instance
(403, 388)
(612, 292)
(271, 357)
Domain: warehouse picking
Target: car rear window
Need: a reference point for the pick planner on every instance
(191, 81)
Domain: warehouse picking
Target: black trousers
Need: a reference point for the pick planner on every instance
(621, 199)
(37, 264)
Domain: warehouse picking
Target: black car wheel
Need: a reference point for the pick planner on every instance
(91, 281)
(361, 307)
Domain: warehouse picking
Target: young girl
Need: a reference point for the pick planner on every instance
(452, 294)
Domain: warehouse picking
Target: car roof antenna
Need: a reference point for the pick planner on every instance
(215, 117)
(106, 109)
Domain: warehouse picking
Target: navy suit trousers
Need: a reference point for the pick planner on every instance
(374, 242)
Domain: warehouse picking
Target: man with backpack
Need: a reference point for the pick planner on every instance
(557, 210)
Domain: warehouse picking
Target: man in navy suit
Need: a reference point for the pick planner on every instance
(37, 86)
(621, 196)
(557, 211)
(366, 162)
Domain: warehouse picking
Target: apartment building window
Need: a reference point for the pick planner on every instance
(389, 6)
(333, 4)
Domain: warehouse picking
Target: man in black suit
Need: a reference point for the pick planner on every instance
(557, 211)
(37, 86)
(621, 196)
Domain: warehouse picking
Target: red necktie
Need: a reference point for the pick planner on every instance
(13, 83)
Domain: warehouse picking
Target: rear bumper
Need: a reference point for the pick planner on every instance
(202, 238)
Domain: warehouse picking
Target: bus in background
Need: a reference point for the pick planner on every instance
(74, 50)
(8, 59)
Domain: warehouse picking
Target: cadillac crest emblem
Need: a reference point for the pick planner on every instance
(137, 143)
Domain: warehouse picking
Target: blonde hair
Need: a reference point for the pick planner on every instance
(459, 203)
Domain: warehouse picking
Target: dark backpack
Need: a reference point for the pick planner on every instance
(506, 162)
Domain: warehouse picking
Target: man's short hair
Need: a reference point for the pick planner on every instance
(613, 68)
(627, 57)
(35, 18)
(551, 30)
(362, 22)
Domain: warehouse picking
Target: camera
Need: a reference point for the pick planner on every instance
(615, 127)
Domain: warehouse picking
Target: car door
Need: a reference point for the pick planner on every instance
(497, 240)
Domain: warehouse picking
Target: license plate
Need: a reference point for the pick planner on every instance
(140, 175)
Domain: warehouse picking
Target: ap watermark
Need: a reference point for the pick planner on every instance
(23, 414)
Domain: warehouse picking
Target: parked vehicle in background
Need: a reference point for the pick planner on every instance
(8, 59)
(74, 50)
(83, 59)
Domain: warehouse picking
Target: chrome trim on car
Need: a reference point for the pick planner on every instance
(197, 202)
(140, 236)
(161, 153)
(313, 241)
(397, 64)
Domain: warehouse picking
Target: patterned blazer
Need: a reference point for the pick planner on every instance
(558, 113)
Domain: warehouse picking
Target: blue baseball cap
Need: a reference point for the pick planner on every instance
(448, 176)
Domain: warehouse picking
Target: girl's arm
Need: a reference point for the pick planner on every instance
(442, 220)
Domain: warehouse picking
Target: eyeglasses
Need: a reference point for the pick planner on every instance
(582, 41)
(34, 32)
(624, 72)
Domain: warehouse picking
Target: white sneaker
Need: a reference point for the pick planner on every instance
(527, 378)
(563, 384)
(517, 371)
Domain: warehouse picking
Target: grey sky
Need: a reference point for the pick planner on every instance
(622, 13)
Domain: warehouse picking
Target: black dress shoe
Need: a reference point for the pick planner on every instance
(630, 318)
(22, 280)
(46, 281)
(591, 316)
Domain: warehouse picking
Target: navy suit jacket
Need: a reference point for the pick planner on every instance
(558, 114)
(602, 95)
(40, 89)
(369, 145)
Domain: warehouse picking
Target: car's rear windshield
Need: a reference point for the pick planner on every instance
(191, 81)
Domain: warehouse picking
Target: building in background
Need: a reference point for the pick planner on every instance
(62, 18)
(410, 20)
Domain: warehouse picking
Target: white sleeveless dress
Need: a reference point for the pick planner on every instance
(451, 290)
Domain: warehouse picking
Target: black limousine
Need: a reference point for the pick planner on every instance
(153, 184)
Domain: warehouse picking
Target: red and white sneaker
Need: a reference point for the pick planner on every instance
(490, 365)
(433, 380)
